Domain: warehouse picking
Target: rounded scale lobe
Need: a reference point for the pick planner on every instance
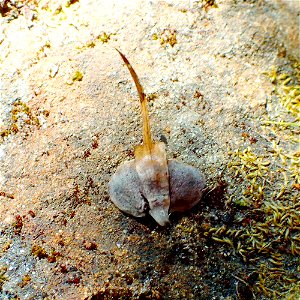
(186, 189)
(186, 186)
(124, 190)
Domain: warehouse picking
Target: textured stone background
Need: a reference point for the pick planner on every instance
(61, 237)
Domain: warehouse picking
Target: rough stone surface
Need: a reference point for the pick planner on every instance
(69, 115)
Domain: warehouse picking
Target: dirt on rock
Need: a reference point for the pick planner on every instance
(69, 115)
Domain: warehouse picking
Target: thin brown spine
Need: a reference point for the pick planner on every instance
(147, 140)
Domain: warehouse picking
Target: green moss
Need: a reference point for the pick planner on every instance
(25, 280)
(154, 37)
(53, 256)
(166, 37)
(208, 4)
(77, 76)
(39, 251)
(104, 37)
(21, 115)
(70, 2)
(287, 90)
(265, 180)
(3, 278)
(18, 224)
(242, 203)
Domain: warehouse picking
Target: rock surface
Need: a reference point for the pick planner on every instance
(69, 115)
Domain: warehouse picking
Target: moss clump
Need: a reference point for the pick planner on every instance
(25, 280)
(104, 37)
(21, 115)
(77, 76)
(3, 278)
(39, 252)
(70, 2)
(265, 182)
(208, 4)
(53, 256)
(18, 224)
(166, 37)
(287, 90)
